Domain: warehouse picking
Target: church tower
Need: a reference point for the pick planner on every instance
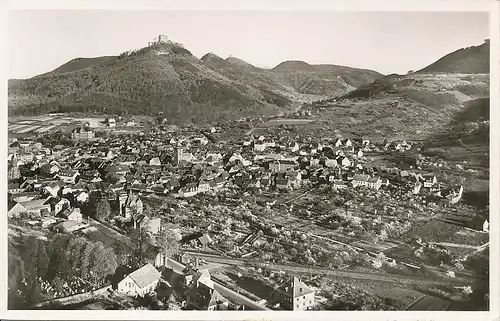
(178, 155)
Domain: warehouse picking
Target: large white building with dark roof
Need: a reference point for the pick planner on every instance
(140, 282)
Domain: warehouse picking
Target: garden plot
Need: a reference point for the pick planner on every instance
(16, 127)
(45, 119)
(379, 247)
(45, 129)
(403, 252)
(469, 237)
(406, 296)
(276, 122)
(26, 130)
(435, 231)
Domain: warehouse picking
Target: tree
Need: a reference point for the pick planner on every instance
(168, 241)
(103, 262)
(17, 274)
(75, 253)
(348, 196)
(35, 257)
(140, 239)
(76, 256)
(58, 258)
(102, 210)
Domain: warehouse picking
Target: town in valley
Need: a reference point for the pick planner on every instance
(367, 198)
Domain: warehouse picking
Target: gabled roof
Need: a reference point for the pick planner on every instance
(145, 275)
(68, 173)
(34, 204)
(203, 294)
(67, 212)
(361, 177)
(295, 288)
(205, 239)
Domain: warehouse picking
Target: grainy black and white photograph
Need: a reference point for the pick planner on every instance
(248, 160)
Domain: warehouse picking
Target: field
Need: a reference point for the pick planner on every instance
(406, 296)
(39, 125)
(285, 121)
(435, 231)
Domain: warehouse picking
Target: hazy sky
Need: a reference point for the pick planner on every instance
(388, 42)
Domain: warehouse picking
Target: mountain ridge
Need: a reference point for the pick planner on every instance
(167, 78)
(469, 60)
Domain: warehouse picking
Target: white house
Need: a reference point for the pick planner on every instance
(82, 197)
(155, 161)
(61, 205)
(68, 177)
(486, 226)
(347, 143)
(111, 122)
(429, 180)
(294, 295)
(332, 163)
(360, 180)
(293, 147)
(140, 282)
(72, 215)
(283, 165)
(343, 161)
(340, 184)
(374, 183)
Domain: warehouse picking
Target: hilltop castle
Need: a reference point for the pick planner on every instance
(157, 40)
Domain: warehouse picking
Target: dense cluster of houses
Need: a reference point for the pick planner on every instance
(59, 179)
(51, 185)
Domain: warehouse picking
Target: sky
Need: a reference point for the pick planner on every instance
(388, 42)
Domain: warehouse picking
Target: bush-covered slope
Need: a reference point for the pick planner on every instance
(81, 63)
(408, 107)
(164, 78)
(471, 60)
(295, 79)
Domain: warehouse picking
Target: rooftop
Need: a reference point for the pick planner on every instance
(145, 275)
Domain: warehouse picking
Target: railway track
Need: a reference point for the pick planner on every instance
(295, 268)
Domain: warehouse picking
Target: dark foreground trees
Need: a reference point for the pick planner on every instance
(40, 269)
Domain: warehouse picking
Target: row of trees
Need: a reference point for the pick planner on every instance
(35, 261)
